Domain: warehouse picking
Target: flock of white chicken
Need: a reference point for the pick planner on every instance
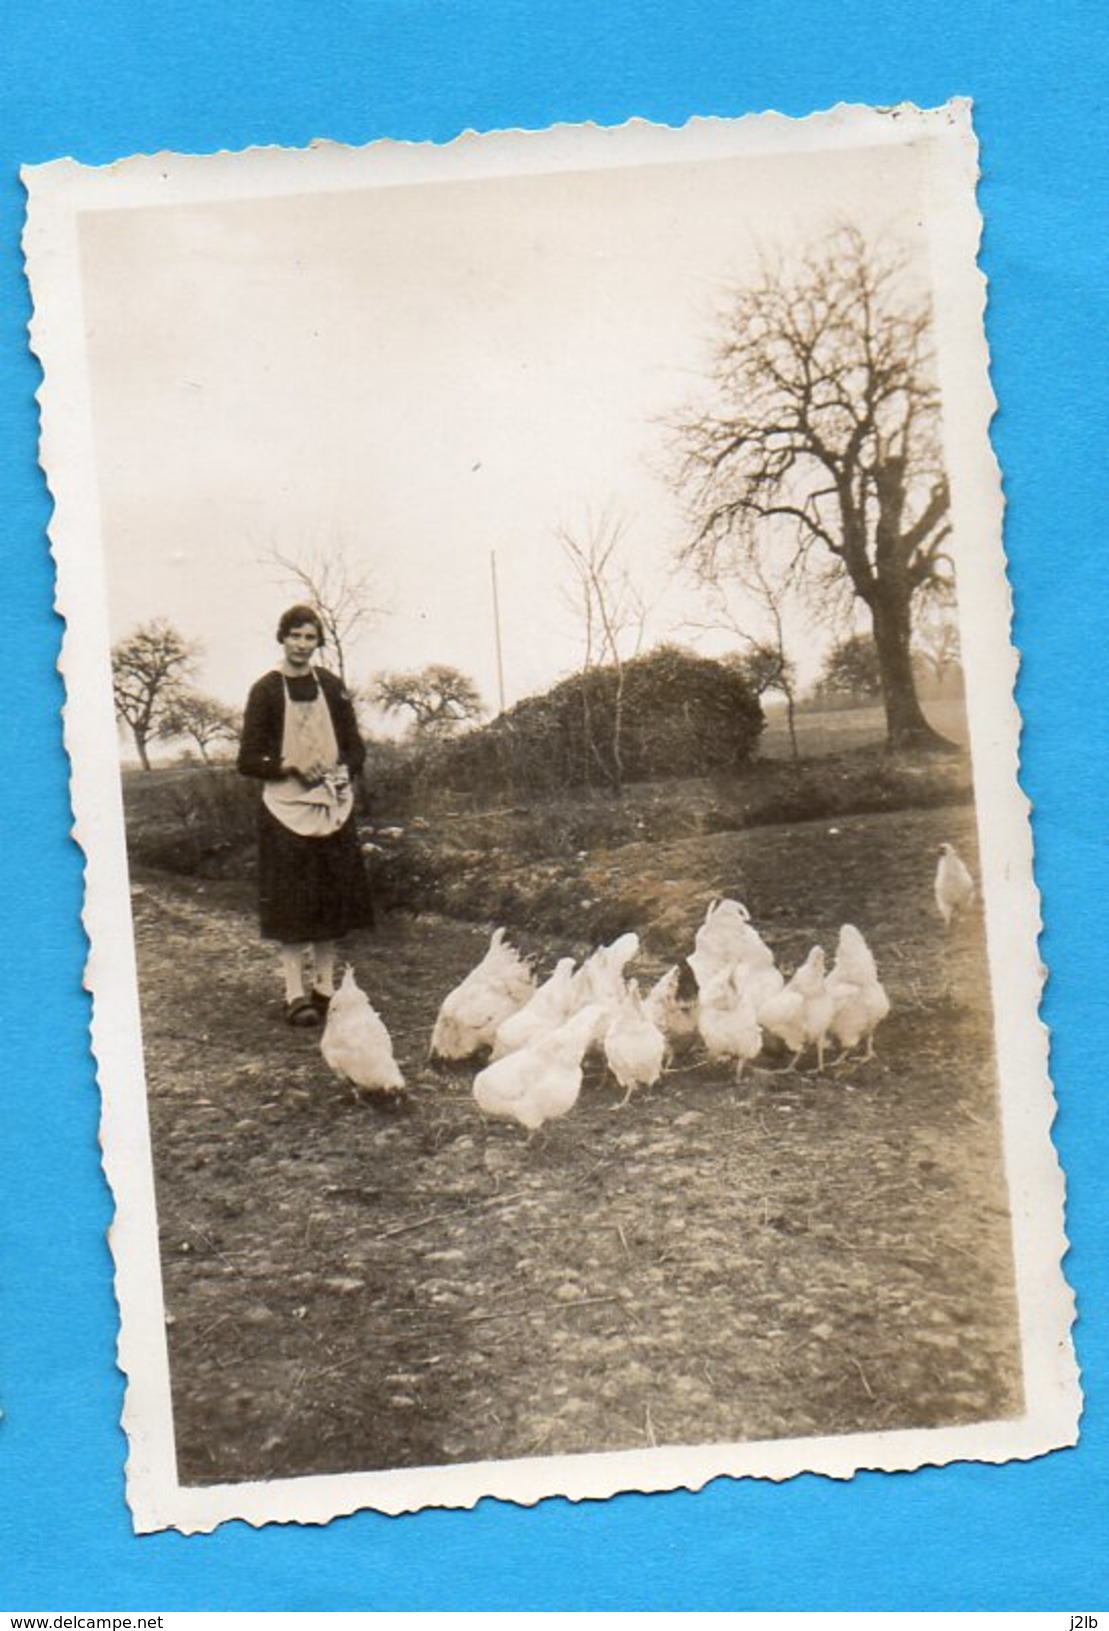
(728, 994)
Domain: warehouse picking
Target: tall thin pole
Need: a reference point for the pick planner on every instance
(497, 629)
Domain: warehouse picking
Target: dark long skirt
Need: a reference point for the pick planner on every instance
(310, 888)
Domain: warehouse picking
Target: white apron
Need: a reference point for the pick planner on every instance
(309, 738)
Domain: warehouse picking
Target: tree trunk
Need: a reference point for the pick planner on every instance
(618, 734)
(140, 746)
(791, 721)
(907, 730)
(588, 747)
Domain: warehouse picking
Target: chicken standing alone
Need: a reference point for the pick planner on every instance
(541, 1081)
(955, 889)
(356, 1044)
(500, 985)
(634, 1046)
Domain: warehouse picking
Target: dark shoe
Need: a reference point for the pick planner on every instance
(302, 1013)
(321, 1002)
(389, 1102)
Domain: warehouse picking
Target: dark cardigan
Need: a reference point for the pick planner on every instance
(264, 724)
(309, 889)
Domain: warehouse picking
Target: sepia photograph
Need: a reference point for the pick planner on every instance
(563, 940)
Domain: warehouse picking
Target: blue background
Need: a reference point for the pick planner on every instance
(103, 81)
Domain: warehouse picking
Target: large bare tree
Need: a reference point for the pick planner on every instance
(820, 445)
(149, 671)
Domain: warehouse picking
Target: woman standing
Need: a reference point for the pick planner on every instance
(300, 738)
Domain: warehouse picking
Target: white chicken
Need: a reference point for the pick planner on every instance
(634, 1046)
(954, 886)
(728, 939)
(727, 1021)
(600, 981)
(545, 1011)
(861, 1003)
(601, 977)
(802, 1011)
(673, 1003)
(356, 1044)
(542, 1080)
(762, 978)
(721, 940)
(500, 985)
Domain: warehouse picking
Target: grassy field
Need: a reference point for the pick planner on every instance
(793, 1254)
(201, 822)
(842, 730)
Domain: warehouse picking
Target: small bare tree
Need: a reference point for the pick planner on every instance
(612, 612)
(149, 671)
(440, 699)
(199, 718)
(343, 591)
(765, 660)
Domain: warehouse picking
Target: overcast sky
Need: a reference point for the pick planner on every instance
(428, 373)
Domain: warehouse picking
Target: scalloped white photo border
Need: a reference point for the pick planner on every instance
(59, 193)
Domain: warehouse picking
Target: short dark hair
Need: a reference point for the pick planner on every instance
(296, 616)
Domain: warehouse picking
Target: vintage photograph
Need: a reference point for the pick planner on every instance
(563, 939)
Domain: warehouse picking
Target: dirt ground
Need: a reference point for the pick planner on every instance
(795, 1254)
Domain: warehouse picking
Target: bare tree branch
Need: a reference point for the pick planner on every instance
(343, 590)
(612, 609)
(201, 719)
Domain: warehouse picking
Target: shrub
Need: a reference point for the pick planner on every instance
(390, 775)
(680, 715)
(190, 819)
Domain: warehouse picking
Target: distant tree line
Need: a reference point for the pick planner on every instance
(851, 673)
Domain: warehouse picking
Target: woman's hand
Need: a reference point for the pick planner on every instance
(311, 775)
